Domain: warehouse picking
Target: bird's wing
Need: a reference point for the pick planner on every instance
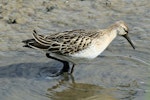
(66, 43)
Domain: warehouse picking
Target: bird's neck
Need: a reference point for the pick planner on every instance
(110, 34)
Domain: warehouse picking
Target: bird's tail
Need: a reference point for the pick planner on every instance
(32, 43)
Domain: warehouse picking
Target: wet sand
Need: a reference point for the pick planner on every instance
(120, 73)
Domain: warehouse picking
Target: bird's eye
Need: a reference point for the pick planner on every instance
(125, 30)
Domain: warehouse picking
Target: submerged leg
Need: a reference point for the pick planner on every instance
(65, 63)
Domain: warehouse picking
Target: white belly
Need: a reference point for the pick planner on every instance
(92, 51)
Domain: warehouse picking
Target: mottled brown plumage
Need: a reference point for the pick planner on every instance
(66, 43)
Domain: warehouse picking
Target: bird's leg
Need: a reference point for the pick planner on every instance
(65, 63)
(72, 69)
(66, 66)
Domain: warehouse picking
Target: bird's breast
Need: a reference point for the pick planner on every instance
(92, 51)
(96, 48)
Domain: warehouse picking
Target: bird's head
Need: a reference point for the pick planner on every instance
(122, 30)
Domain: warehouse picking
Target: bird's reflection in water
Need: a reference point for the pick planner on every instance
(68, 89)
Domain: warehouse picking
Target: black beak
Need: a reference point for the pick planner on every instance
(126, 36)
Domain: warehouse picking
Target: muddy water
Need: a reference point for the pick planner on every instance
(120, 73)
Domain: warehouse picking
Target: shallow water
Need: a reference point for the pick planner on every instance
(120, 73)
